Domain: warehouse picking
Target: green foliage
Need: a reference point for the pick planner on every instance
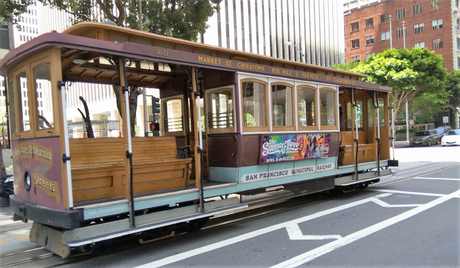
(177, 18)
(182, 18)
(249, 120)
(429, 105)
(453, 87)
(407, 72)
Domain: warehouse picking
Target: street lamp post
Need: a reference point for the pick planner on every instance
(391, 33)
(288, 43)
(404, 34)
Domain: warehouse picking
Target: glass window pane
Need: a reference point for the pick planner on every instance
(254, 106)
(370, 109)
(44, 115)
(306, 106)
(220, 110)
(282, 106)
(173, 118)
(13, 107)
(21, 81)
(327, 106)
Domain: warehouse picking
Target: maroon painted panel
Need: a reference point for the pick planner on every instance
(42, 160)
(224, 150)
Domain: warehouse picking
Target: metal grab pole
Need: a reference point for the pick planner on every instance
(393, 128)
(66, 157)
(378, 135)
(200, 149)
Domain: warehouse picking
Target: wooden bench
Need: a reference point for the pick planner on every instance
(98, 169)
(156, 166)
(366, 151)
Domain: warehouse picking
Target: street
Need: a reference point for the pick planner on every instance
(410, 219)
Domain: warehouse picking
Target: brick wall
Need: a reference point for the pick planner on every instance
(390, 7)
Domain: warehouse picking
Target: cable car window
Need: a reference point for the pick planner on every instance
(254, 105)
(306, 105)
(23, 105)
(220, 111)
(370, 107)
(173, 118)
(13, 107)
(327, 99)
(44, 100)
(282, 103)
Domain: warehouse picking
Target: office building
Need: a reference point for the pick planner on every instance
(374, 26)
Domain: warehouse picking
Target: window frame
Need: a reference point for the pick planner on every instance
(419, 28)
(352, 43)
(47, 131)
(209, 92)
(307, 128)
(417, 9)
(293, 108)
(336, 108)
(385, 18)
(367, 25)
(163, 113)
(439, 43)
(385, 33)
(267, 110)
(372, 40)
(400, 14)
(355, 29)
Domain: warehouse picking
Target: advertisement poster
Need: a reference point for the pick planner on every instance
(282, 148)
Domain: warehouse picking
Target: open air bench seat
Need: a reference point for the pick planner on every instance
(98, 167)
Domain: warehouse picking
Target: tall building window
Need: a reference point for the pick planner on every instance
(436, 24)
(400, 14)
(418, 28)
(355, 26)
(420, 45)
(401, 32)
(385, 18)
(370, 40)
(355, 43)
(356, 58)
(417, 9)
(368, 55)
(369, 22)
(436, 4)
(385, 36)
(438, 43)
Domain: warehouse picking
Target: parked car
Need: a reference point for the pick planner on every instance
(6, 189)
(452, 137)
(442, 131)
(426, 137)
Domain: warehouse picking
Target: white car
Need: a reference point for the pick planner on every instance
(452, 137)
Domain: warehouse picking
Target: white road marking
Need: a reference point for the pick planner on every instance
(406, 192)
(437, 179)
(322, 250)
(243, 237)
(386, 205)
(295, 233)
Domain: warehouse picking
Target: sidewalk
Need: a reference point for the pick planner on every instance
(401, 144)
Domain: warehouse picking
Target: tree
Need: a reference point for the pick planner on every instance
(407, 72)
(453, 87)
(183, 19)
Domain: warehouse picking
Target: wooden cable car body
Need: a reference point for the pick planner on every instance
(267, 123)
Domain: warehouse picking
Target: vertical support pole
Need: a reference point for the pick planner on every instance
(377, 107)
(355, 106)
(127, 131)
(393, 121)
(66, 156)
(407, 120)
(198, 143)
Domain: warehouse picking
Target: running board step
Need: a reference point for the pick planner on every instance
(106, 231)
